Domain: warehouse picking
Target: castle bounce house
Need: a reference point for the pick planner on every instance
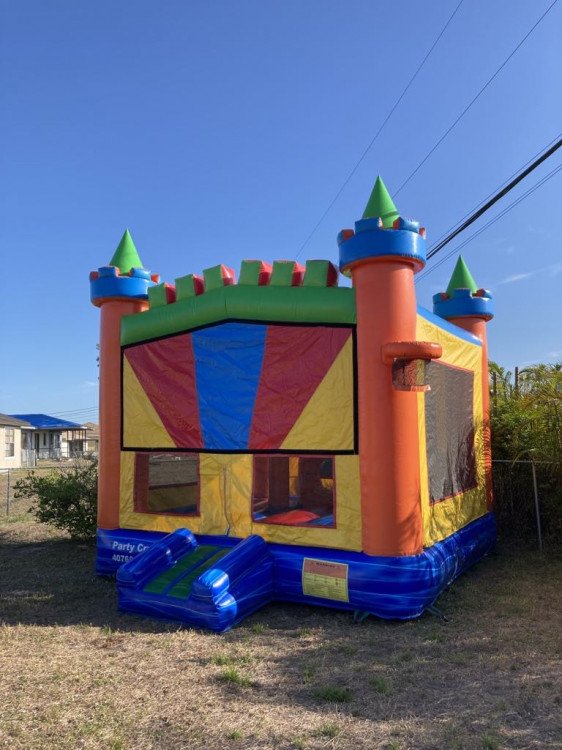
(281, 438)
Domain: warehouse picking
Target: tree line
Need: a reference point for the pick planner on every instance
(526, 413)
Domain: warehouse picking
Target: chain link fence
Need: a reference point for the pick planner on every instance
(10, 506)
(528, 501)
(527, 498)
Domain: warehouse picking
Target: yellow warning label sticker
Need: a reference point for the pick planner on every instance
(325, 579)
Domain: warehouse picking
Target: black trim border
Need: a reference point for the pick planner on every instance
(297, 324)
(348, 452)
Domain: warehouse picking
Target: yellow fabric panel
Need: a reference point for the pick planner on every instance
(442, 519)
(456, 352)
(212, 518)
(326, 422)
(226, 503)
(347, 534)
(235, 493)
(142, 427)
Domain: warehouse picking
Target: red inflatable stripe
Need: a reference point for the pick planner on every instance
(166, 371)
(296, 359)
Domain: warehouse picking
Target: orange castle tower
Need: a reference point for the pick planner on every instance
(119, 289)
(382, 255)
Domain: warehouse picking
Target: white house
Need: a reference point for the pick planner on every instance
(15, 443)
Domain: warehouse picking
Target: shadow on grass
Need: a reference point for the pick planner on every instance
(52, 582)
(422, 683)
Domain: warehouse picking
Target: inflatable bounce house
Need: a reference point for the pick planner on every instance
(280, 438)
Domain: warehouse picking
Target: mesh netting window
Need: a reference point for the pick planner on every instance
(167, 483)
(294, 490)
(449, 422)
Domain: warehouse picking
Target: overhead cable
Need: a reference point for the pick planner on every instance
(492, 221)
(474, 99)
(496, 190)
(494, 199)
(379, 131)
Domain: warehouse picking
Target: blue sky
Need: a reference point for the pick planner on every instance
(218, 131)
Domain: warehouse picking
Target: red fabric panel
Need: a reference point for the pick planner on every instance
(296, 359)
(166, 371)
(292, 517)
(333, 274)
(298, 274)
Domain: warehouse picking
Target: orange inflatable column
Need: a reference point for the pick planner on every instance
(118, 290)
(382, 262)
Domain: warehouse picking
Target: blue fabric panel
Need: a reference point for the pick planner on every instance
(118, 546)
(228, 364)
(242, 580)
(389, 587)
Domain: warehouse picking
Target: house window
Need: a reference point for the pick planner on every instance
(9, 441)
(167, 483)
(44, 438)
(294, 490)
(450, 429)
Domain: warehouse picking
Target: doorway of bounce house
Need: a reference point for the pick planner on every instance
(294, 490)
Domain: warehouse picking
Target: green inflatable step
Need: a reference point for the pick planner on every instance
(177, 580)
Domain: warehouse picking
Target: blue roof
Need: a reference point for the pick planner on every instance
(45, 422)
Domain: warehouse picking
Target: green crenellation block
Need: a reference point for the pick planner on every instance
(250, 272)
(157, 296)
(185, 287)
(318, 273)
(282, 273)
(215, 277)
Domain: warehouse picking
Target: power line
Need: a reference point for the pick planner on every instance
(492, 221)
(497, 189)
(465, 110)
(75, 414)
(496, 218)
(379, 131)
(498, 196)
(74, 411)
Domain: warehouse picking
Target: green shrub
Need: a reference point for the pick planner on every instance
(64, 498)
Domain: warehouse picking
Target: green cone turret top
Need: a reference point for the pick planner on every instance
(463, 298)
(381, 204)
(461, 278)
(126, 255)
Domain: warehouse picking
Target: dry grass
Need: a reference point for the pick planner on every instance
(76, 674)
